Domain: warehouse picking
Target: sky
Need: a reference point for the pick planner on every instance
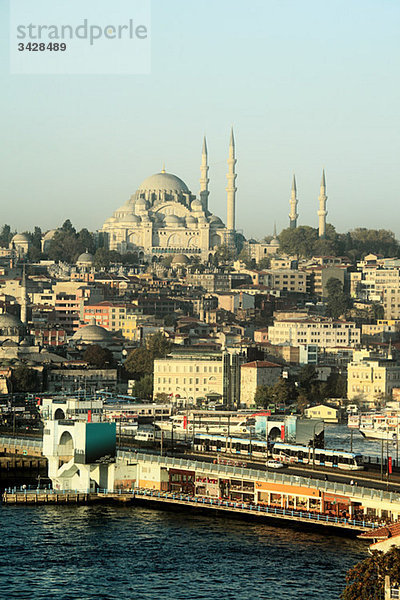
(306, 85)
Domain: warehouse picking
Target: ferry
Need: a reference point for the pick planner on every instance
(221, 422)
(377, 426)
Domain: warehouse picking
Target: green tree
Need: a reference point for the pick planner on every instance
(366, 580)
(143, 388)
(307, 381)
(67, 244)
(338, 301)
(264, 263)
(140, 361)
(299, 241)
(6, 236)
(224, 254)
(24, 379)
(263, 396)
(99, 357)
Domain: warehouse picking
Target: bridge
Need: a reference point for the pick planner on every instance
(152, 497)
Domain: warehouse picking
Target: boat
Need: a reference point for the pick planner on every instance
(377, 426)
(213, 422)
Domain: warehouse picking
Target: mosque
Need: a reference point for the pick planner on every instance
(163, 217)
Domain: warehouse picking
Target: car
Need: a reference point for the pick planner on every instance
(274, 464)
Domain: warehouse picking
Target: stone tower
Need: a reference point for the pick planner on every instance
(204, 180)
(293, 206)
(231, 189)
(322, 212)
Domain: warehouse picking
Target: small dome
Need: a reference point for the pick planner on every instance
(20, 237)
(85, 259)
(172, 220)
(132, 219)
(49, 235)
(191, 220)
(141, 202)
(163, 182)
(91, 333)
(7, 320)
(196, 205)
(180, 259)
(215, 219)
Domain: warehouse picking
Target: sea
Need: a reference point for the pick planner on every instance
(108, 552)
(111, 552)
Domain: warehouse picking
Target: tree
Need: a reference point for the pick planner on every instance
(338, 301)
(67, 244)
(308, 384)
(6, 236)
(366, 580)
(162, 398)
(141, 360)
(299, 241)
(224, 254)
(263, 396)
(99, 357)
(144, 387)
(24, 379)
(264, 263)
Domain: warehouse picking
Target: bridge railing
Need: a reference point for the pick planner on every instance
(257, 508)
(267, 476)
(26, 442)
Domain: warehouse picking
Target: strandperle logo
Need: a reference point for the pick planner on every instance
(85, 31)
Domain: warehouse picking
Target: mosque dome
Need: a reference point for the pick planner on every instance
(164, 182)
(20, 237)
(172, 220)
(85, 258)
(132, 219)
(49, 235)
(196, 205)
(215, 220)
(7, 320)
(180, 259)
(91, 334)
(191, 220)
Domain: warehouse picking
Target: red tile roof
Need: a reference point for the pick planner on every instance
(260, 364)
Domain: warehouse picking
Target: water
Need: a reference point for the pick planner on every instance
(339, 437)
(111, 553)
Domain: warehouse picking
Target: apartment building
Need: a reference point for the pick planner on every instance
(321, 332)
(371, 378)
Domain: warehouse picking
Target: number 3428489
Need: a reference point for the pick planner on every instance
(42, 47)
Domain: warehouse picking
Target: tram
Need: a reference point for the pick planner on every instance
(286, 453)
(289, 453)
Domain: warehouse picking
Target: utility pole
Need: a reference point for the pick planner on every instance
(382, 460)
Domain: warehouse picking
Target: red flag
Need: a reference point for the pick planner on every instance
(282, 433)
(184, 422)
(390, 464)
(89, 416)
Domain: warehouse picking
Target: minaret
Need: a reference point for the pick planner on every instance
(24, 298)
(322, 212)
(204, 180)
(231, 189)
(293, 206)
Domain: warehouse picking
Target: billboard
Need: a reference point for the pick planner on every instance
(100, 441)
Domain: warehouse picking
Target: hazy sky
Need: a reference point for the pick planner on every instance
(306, 84)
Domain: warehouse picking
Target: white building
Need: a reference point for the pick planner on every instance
(324, 333)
